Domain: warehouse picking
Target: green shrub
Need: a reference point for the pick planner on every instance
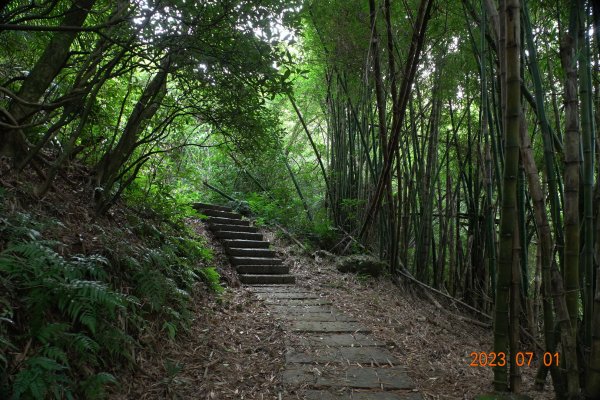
(68, 322)
(63, 305)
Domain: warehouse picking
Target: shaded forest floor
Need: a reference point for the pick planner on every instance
(235, 349)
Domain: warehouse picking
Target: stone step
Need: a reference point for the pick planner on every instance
(288, 295)
(238, 235)
(228, 221)
(360, 395)
(263, 269)
(373, 378)
(254, 261)
(361, 355)
(299, 309)
(236, 251)
(221, 214)
(277, 289)
(336, 339)
(232, 228)
(315, 317)
(327, 327)
(246, 244)
(298, 302)
(266, 279)
(205, 206)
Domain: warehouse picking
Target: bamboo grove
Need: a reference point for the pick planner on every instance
(460, 144)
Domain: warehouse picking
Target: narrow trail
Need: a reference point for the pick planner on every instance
(329, 356)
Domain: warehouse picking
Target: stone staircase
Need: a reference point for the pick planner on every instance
(248, 252)
(329, 355)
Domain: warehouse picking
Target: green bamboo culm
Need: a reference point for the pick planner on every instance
(593, 374)
(587, 135)
(489, 176)
(553, 183)
(547, 134)
(572, 161)
(509, 200)
(591, 295)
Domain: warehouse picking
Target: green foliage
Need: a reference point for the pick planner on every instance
(79, 317)
(319, 233)
(172, 370)
(349, 207)
(325, 233)
(265, 209)
(48, 286)
(212, 278)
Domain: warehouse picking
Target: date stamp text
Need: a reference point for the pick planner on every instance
(521, 358)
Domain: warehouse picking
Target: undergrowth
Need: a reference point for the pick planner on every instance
(68, 322)
(318, 233)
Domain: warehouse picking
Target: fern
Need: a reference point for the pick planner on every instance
(81, 314)
(83, 344)
(170, 328)
(151, 287)
(93, 266)
(93, 387)
(212, 278)
(51, 332)
(55, 353)
(38, 376)
(51, 281)
(118, 344)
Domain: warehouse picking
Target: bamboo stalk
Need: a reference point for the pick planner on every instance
(408, 77)
(509, 201)
(571, 177)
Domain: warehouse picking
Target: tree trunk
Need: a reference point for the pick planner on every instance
(107, 169)
(13, 142)
(426, 229)
(546, 256)
(587, 137)
(571, 177)
(509, 199)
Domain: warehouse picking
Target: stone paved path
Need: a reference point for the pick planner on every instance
(329, 355)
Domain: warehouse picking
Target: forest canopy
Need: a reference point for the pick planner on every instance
(117, 84)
